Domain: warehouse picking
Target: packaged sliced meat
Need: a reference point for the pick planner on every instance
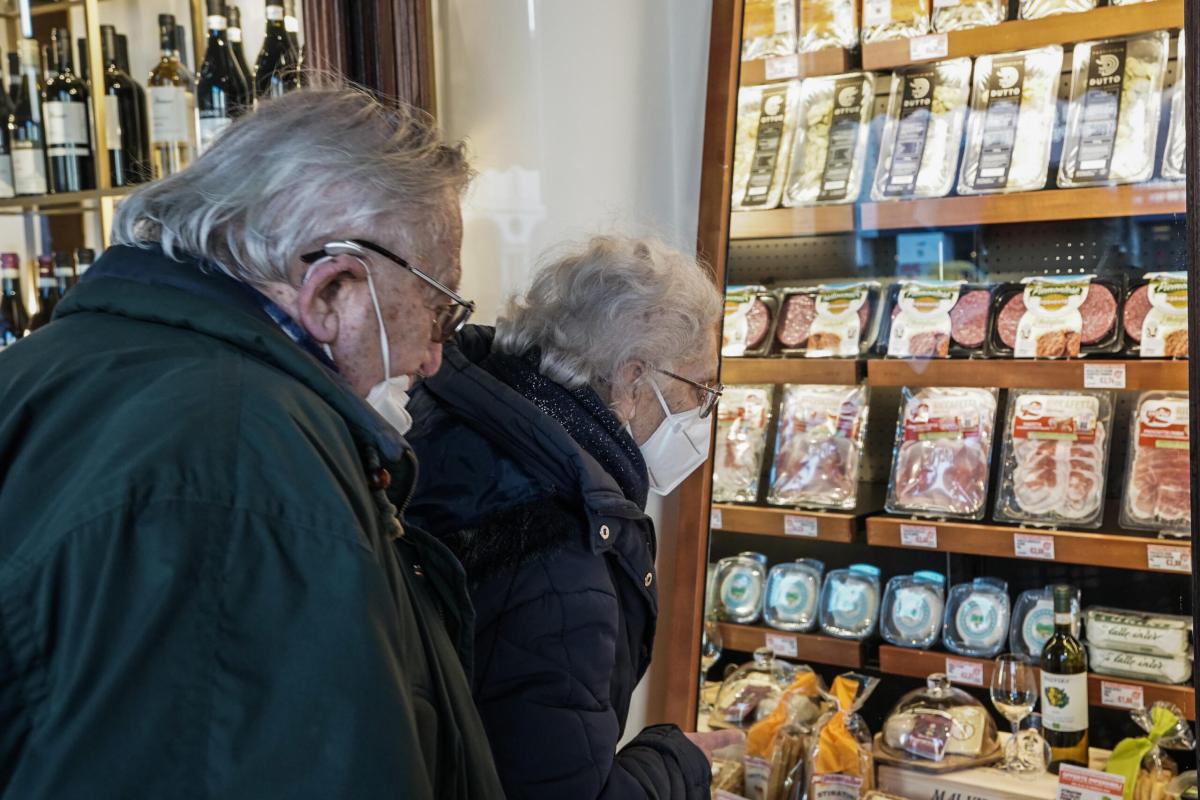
(884, 20)
(922, 137)
(959, 15)
(1174, 164)
(829, 151)
(768, 28)
(765, 124)
(742, 418)
(839, 320)
(936, 319)
(749, 315)
(818, 446)
(828, 23)
(943, 452)
(1055, 457)
(1056, 316)
(1112, 122)
(1158, 479)
(1011, 127)
(1155, 316)
(1037, 9)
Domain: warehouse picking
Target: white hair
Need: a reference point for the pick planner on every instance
(613, 302)
(315, 164)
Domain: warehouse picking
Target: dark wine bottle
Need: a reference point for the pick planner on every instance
(172, 106)
(48, 294)
(222, 93)
(292, 25)
(6, 177)
(64, 272)
(84, 258)
(122, 117)
(14, 77)
(1065, 688)
(25, 127)
(65, 110)
(181, 45)
(14, 319)
(235, 43)
(276, 70)
(143, 165)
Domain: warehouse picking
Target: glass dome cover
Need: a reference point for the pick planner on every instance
(752, 691)
(938, 722)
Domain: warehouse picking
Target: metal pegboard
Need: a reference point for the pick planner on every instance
(802, 258)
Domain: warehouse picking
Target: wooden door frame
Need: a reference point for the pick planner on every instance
(1191, 23)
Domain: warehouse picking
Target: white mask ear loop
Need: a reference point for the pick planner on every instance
(661, 400)
(383, 341)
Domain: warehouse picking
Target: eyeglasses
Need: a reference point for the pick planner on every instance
(448, 319)
(712, 394)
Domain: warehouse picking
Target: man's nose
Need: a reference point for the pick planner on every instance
(433, 359)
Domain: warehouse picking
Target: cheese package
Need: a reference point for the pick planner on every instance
(1011, 129)
(1155, 316)
(1112, 123)
(766, 122)
(1138, 632)
(912, 610)
(850, 602)
(1037, 9)
(977, 614)
(829, 150)
(793, 595)
(1174, 164)
(927, 109)
(959, 15)
(740, 582)
(1158, 669)
(768, 28)
(1158, 480)
(884, 20)
(1033, 621)
(828, 23)
(818, 447)
(742, 418)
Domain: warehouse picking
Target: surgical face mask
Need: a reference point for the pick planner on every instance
(677, 446)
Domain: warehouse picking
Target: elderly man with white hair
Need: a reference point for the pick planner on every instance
(205, 588)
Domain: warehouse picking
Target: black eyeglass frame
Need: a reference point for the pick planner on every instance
(714, 392)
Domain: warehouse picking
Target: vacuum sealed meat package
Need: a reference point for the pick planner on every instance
(828, 320)
(943, 452)
(1055, 457)
(959, 15)
(1057, 316)
(1112, 122)
(937, 319)
(1174, 165)
(884, 20)
(1037, 9)
(1157, 489)
(818, 447)
(1011, 127)
(749, 314)
(742, 418)
(1155, 316)
(927, 108)
(768, 28)
(828, 23)
(829, 150)
(765, 123)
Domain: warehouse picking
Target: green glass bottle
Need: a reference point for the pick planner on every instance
(1065, 688)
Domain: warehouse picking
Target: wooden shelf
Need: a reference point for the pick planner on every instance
(820, 526)
(786, 222)
(1140, 374)
(809, 647)
(1118, 551)
(1102, 23)
(802, 65)
(978, 672)
(64, 200)
(835, 371)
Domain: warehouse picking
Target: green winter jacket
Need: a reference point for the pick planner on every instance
(200, 593)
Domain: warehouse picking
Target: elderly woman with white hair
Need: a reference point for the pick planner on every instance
(542, 440)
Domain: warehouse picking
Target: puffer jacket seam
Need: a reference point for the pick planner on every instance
(37, 667)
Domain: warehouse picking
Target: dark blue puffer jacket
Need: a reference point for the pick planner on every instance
(561, 565)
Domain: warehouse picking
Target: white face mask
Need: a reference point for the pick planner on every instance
(676, 448)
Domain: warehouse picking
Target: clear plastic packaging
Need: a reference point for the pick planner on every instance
(1057, 316)
(747, 323)
(839, 320)
(1138, 666)
(766, 122)
(1033, 621)
(828, 23)
(753, 690)
(1055, 457)
(1158, 478)
(829, 151)
(1174, 166)
(959, 15)
(1143, 761)
(943, 452)
(938, 722)
(850, 602)
(818, 446)
(740, 582)
(793, 595)
(1038, 9)
(1155, 317)
(913, 606)
(840, 763)
(936, 319)
(1011, 128)
(1116, 99)
(927, 109)
(768, 28)
(775, 746)
(884, 20)
(743, 415)
(1167, 635)
(977, 615)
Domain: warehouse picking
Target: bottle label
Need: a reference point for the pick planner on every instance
(235, 35)
(66, 128)
(211, 128)
(274, 13)
(112, 122)
(7, 188)
(291, 25)
(29, 168)
(217, 23)
(1065, 702)
(170, 115)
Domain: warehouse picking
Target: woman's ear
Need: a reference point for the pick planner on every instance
(319, 298)
(626, 387)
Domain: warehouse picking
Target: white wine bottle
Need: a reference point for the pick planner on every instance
(172, 106)
(1065, 689)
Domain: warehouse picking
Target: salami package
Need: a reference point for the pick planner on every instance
(828, 23)
(1011, 128)
(936, 319)
(1155, 316)
(959, 15)
(1112, 123)
(829, 151)
(742, 418)
(943, 453)
(749, 317)
(768, 28)
(1056, 316)
(922, 137)
(1037, 9)
(839, 320)
(1055, 457)
(1157, 488)
(765, 123)
(884, 20)
(1174, 164)
(818, 447)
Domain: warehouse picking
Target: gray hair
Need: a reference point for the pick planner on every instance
(314, 164)
(615, 301)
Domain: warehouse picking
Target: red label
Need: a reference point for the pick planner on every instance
(1053, 428)
(1163, 424)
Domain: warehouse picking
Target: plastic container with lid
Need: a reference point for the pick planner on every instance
(960, 15)
(1174, 167)
(850, 602)
(752, 691)
(1033, 620)
(740, 581)
(1167, 635)
(912, 610)
(766, 122)
(977, 615)
(939, 722)
(793, 595)
(829, 152)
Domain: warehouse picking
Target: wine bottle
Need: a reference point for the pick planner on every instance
(142, 164)
(47, 293)
(84, 258)
(276, 70)
(222, 92)
(122, 116)
(14, 77)
(172, 106)
(235, 43)
(25, 127)
(1065, 688)
(6, 177)
(68, 138)
(14, 319)
(292, 25)
(64, 272)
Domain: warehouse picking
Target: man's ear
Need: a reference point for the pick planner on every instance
(318, 298)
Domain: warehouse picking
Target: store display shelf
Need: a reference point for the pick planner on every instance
(37, 9)
(833, 61)
(822, 526)
(1102, 23)
(785, 222)
(808, 647)
(1104, 691)
(62, 201)
(835, 371)
(1118, 551)
(1134, 374)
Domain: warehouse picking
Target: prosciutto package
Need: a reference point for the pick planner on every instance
(1055, 457)
(1157, 496)
(819, 446)
(943, 453)
(742, 418)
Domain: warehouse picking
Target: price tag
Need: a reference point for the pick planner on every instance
(1169, 559)
(782, 67)
(1029, 545)
(795, 525)
(946, 3)
(782, 645)
(1104, 376)
(926, 48)
(1121, 695)
(1077, 783)
(969, 673)
(714, 519)
(918, 536)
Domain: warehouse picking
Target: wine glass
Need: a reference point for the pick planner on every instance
(1014, 693)
(710, 651)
